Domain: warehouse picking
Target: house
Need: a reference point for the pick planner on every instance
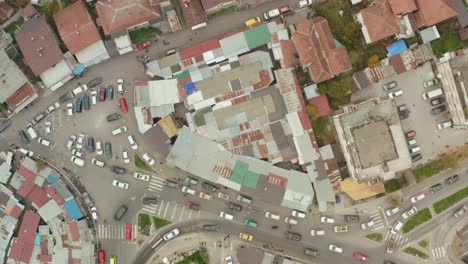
(15, 90)
(42, 53)
(318, 50)
(6, 11)
(29, 11)
(193, 11)
(378, 21)
(211, 6)
(78, 32)
(400, 7)
(433, 12)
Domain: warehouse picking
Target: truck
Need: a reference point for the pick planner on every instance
(432, 94)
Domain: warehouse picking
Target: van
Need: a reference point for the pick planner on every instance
(186, 189)
(32, 132)
(244, 199)
(432, 94)
(396, 227)
(226, 215)
(411, 142)
(272, 216)
(415, 150)
(120, 213)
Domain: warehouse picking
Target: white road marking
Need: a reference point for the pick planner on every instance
(198, 214)
(165, 210)
(160, 207)
(173, 212)
(182, 214)
(190, 213)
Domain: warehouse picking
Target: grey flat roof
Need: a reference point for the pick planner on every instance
(11, 77)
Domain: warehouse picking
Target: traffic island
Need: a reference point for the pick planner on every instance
(375, 237)
(144, 224)
(423, 243)
(160, 223)
(415, 252)
(141, 164)
(447, 202)
(416, 220)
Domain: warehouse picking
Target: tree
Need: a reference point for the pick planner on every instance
(396, 201)
(312, 112)
(40, 165)
(373, 61)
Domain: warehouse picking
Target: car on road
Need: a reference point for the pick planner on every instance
(70, 109)
(119, 130)
(205, 196)
(94, 97)
(460, 211)
(120, 88)
(390, 245)
(120, 212)
(312, 252)
(51, 108)
(298, 214)
(430, 83)
(192, 206)
(389, 86)
(110, 92)
(77, 161)
(133, 145)
(48, 127)
(367, 224)
(406, 214)
(290, 220)
(118, 170)
(148, 159)
(24, 137)
(97, 162)
(223, 196)
(395, 94)
(102, 257)
(79, 143)
(77, 153)
(140, 176)
(86, 105)
(123, 105)
(234, 207)
(293, 236)
(361, 257)
(252, 21)
(150, 200)
(341, 228)
(211, 228)
(272, 215)
(437, 101)
(66, 97)
(186, 189)
(98, 147)
(304, 3)
(226, 215)
(435, 188)
(246, 236)
(120, 184)
(392, 210)
(128, 231)
(317, 232)
(351, 218)
(102, 94)
(327, 220)
(335, 248)
(143, 45)
(113, 117)
(71, 141)
(113, 260)
(44, 142)
(171, 234)
(452, 179)
(438, 110)
(209, 187)
(125, 157)
(80, 89)
(417, 197)
(95, 81)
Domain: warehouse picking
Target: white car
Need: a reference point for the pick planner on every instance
(48, 127)
(417, 197)
(391, 211)
(148, 159)
(171, 234)
(327, 220)
(70, 109)
(26, 152)
(94, 97)
(290, 220)
(122, 185)
(406, 214)
(132, 143)
(366, 225)
(396, 227)
(395, 94)
(298, 214)
(317, 232)
(120, 88)
(77, 161)
(271, 14)
(125, 157)
(119, 130)
(53, 107)
(304, 3)
(44, 142)
(99, 147)
(80, 89)
(335, 248)
(228, 260)
(79, 143)
(71, 141)
(141, 176)
(94, 213)
(444, 125)
(77, 153)
(97, 162)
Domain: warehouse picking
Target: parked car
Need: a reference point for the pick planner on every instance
(113, 117)
(66, 97)
(71, 141)
(102, 94)
(389, 86)
(191, 180)
(437, 101)
(140, 176)
(119, 130)
(102, 257)
(223, 196)
(272, 14)
(44, 142)
(120, 88)
(252, 21)
(298, 214)
(51, 108)
(94, 97)
(245, 236)
(110, 92)
(97, 162)
(327, 220)
(80, 89)
(395, 94)
(341, 228)
(79, 142)
(98, 147)
(435, 188)
(48, 127)
(78, 104)
(120, 184)
(291, 220)
(24, 137)
(252, 210)
(304, 3)
(108, 150)
(123, 105)
(417, 197)
(148, 159)
(26, 152)
(367, 224)
(416, 157)
(77, 153)
(272, 215)
(38, 118)
(212, 228)
(444, 125)
(396, 227)
(128, 231)
(430, 83)
(86, 105)
(143, 45)
(229, 260)
(317, 232)
(133, 145)
(118, 170)
(312, 252)
(209, 187)
(234, 207)
(406, 214)
(335, 248)
(90, 145)
(293, 236)
(95, 81)
(438, 110)
(205, 196)
(171, 184)
(77, 161)
(452, 179)
(391, 211)
(351, 218)
(286, 9)
(460, 211)
(187, 190)
(125, 157)
(70, 109)
(411, 134)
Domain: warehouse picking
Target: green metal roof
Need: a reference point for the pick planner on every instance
(242, 175)
(257, 36)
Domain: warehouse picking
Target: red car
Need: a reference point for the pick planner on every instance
(128, 231)
(143, 45)
(192, 205)
(360, 256)
(102, 257)
(123, 105)
(286, 9)
(102, 94)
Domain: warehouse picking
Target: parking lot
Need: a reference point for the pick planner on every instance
(431, 140)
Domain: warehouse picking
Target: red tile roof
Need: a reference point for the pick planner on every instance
(27, 174)
(15, 212)
(118, 15)
(433, 12)
(54, 195)
(305, 121)
(74, 231)
(212, 4)
(463, 33)
(322, 105)
(25, 188)
(20, 96)
(199, 48)
(379, 21)
(318, 49)
(28, 228)
(27, 253)
(38, 196)
(16, 249)
(76, 28)
(38, 45)
(402, 6)
(194, 13)
(29, 11)
(290, 56)
(6, 11)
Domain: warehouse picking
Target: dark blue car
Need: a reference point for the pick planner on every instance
(90, 144)
(110, 92)
(86, 102)
(78, 105)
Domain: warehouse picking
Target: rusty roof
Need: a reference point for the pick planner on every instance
(76, 28)
(379, 21)
(194, 13)
(29, 11)
(19, 97)
(290, 56)
(402, 6)
(318, 49)
(433, 12)
(118, 15)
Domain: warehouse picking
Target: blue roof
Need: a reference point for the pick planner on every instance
(79, 69)
(190, 87)
(73, 210)
(37, 240)
(397, 47)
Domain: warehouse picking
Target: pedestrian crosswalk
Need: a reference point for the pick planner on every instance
(171, 210)
(114, 231)
(400, 239)
(156, 184)
(439, 254)
(376, 216)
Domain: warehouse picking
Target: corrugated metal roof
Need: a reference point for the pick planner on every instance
(73, 209)
(257, 36)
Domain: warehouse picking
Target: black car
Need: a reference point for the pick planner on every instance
(293, 236)
(252, 210)
(452, 179)
(211, 228)
(90, 144)
(24, 137)
(351, 218)
(113, 117)
(209, 187)
(5, 124)
(110, 92)
(118, 170)
(438, 110)
(435, 188)
(437, 101)
(78, 105)
(108, 150)
(234, 207)
(416, 157)
(86, 102)
(66, 97)
(404, 115)
(150, 200)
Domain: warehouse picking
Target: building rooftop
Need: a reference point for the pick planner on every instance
(194, 12)
(321, 104)
(11, 77)
(76, 27)
(402, 6)
(29, 11)
(462, 12)
(378, 21)
(433, 12)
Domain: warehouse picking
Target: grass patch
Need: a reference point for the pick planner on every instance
(375, 236)
(447, 202)
(143, 34)
(14, 26)
(303, 75)
(448, 161)
(423, 243)
(159, 222)
(323, 132)
(395, 184)
(418, 219)
(222, 12)
(338, 90)
(3, 106)
(144, 223)
(195, 258)
(448, 40)
(413, 251)
(141, 164)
